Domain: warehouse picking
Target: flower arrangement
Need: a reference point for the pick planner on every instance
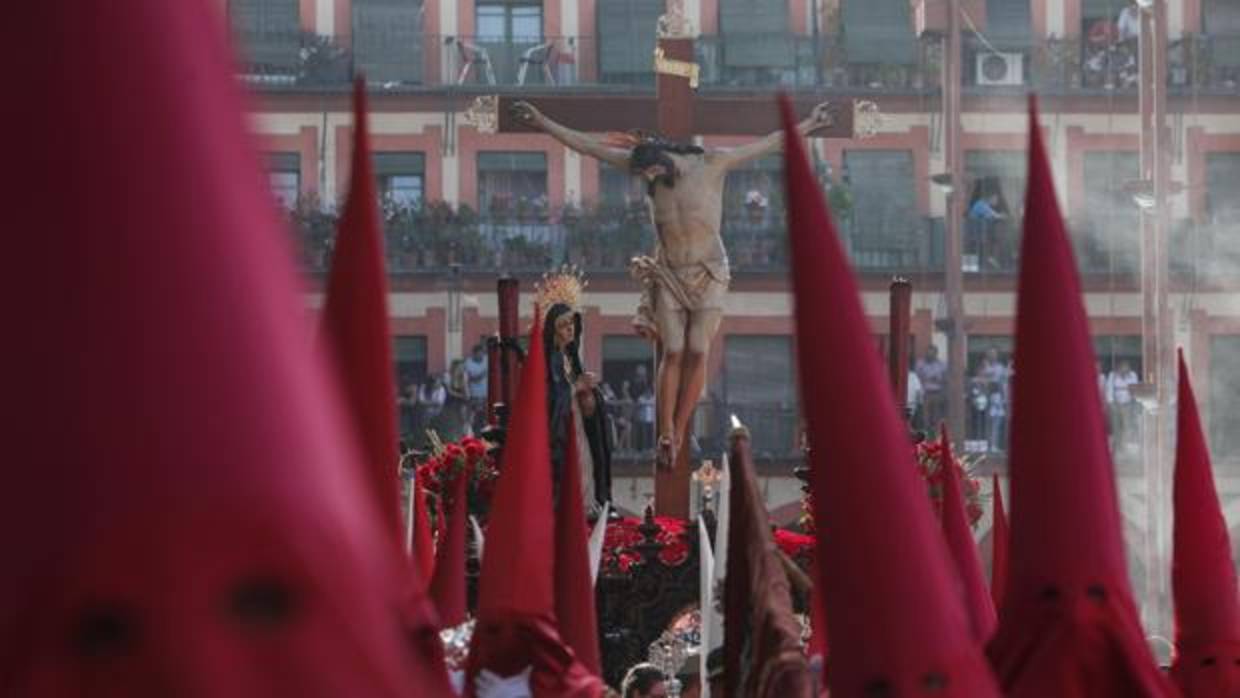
(622, 538)
(929, 467)
(447, 461)
(927, 455)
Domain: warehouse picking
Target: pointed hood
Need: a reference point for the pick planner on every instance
(1203, 574)
(355, 324)
(516, 591)
(963, 548)
(894, 618)
(447, 587)
(998, 545)
(200, 531)
(574, 587)
(762, 657)
(1069, 625)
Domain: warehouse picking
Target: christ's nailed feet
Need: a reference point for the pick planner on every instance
(665, 453)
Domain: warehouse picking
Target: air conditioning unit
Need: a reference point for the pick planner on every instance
(1000, 68)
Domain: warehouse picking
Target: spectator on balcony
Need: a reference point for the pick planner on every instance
(645, 419)
(455, 420)
(931, 373)
(979, 406)
(431, 398)
(756, 206)
(1128, 24)
(640, 382)
(1123, 406)
(984, 214)
(476, 373)
(916, 396)
(996, 407)
(993, 368)
(620, 405)
(406, 403)
(1108, 418)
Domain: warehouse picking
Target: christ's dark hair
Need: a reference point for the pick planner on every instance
(650, 151)
(653, 151)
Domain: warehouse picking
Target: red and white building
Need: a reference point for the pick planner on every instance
(476, 204)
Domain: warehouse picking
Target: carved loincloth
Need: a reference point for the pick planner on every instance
(690, 288)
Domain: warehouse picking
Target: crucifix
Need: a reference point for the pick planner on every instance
(684, 281)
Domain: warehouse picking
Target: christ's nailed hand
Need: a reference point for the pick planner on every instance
(823, 115)
(527, 113)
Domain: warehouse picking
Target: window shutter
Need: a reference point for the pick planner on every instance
(283, 162)
(1222, 25)
(755, 34)
(399, 163)
(512, 162)
(884, 198)
(1102, 9)
(1222, 173)
(879, 31)
(269, 31)
(387, 40)
(626, 36)
(1009, 22)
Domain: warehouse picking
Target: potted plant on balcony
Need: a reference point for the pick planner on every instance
(316, 230)
(583, 231)
(322, 61)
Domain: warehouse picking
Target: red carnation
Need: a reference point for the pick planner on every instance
(474, 450)
(453, 453)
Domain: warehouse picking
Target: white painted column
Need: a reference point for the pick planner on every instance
(570, 19)
(330, 195)
(451, 176)
(572, 177)
(325, 17)
(1055, 18)
(1175, 20)
(448, 17)
(451, 337)
(692, 10)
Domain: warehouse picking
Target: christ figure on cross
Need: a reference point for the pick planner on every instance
(686, 278)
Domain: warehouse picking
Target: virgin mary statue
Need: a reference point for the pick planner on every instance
(574, 400)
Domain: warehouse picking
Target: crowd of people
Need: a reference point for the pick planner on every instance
(452, 404)
(630, 409)
(988, 396)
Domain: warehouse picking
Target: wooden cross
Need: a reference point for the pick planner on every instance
(678, 114)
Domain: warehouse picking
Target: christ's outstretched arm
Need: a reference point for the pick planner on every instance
(732, 158)
(576, 140)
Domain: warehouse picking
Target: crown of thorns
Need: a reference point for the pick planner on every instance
(628, 140)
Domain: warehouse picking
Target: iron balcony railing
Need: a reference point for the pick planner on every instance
(395, 57)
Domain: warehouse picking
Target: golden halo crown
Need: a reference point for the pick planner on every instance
(564, 286)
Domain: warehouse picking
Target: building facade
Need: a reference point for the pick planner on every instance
(463, 205)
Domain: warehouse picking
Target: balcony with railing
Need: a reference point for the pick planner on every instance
(398, 57)
(749, 61)
(430, 238)
(1196, 64)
